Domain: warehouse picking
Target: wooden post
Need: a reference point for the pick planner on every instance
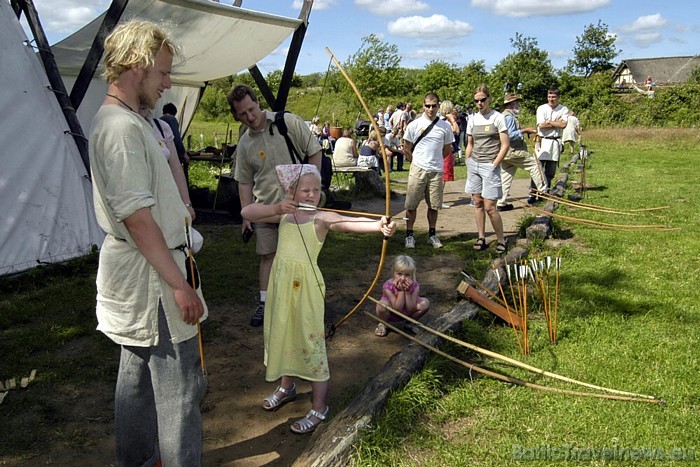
(474, 295)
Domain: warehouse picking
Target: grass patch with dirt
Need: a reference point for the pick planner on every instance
(628, 320)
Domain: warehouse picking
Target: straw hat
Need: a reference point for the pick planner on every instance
(511, 98)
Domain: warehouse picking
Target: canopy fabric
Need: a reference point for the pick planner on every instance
(217, 40)
(46, 210)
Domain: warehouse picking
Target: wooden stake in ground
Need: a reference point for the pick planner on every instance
(503, 313)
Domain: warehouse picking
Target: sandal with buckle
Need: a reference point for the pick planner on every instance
(501, 247)
(306, 425)
(275, 401)
(381, 330)
(480, 244)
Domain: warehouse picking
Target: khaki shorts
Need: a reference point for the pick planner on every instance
(423, 184)
(266, 238)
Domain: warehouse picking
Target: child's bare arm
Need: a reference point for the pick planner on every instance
(412, 300)
(338, 223)
(272, 213)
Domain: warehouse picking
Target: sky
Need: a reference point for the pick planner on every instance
(455, 31)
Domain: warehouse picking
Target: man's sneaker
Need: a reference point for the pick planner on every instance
(445, 206)
(258, 316)
(410, 242)
(505, 207)
(435, 241)
(532, 200)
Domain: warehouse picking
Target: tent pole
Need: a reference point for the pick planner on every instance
(55, 80)
(293, 56)
(265, 90)
(92, 61)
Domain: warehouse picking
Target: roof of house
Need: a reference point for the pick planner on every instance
(663, 70)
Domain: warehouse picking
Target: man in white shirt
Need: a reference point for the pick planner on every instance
(427, 140)
(551, 121)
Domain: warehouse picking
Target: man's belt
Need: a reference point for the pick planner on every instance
(551, 137)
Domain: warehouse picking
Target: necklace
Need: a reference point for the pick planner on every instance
(122, 102)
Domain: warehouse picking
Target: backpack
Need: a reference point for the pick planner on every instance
(326, 166)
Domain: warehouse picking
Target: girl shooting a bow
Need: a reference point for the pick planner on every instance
(293, 327)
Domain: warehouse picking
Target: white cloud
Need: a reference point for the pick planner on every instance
(318, 4)
(66, 16)
(439, 26)
(520, 8)
(431, 54)
(391, 7)
(645, 30)
(645, 39)
(646, 24)
(560, 53)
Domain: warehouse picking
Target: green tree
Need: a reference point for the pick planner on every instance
(694, 77)
(594, 51)
(375, 69)
(527, 71)
(442, 78)
(474, 74)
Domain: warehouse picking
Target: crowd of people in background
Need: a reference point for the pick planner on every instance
(504, 149)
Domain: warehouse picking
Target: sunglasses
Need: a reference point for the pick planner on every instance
(484, 99)
(430, 106)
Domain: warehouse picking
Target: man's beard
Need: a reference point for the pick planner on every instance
(145, 101)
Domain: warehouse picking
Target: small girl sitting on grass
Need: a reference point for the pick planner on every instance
(293, 330)
(401, 293)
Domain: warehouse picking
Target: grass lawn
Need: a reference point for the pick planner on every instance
(628, 320)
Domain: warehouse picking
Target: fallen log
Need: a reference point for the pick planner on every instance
(541, 227)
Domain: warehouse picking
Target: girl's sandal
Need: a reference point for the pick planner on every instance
(306, 425)
(380, 330)
(480, 244)
(501, 247)
(274, 402)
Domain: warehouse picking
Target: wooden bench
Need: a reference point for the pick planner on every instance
(365, 178)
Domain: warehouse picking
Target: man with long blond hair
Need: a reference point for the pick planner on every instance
(144, 301)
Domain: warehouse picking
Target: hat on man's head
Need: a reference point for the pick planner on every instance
(290, 173)
(511, 98)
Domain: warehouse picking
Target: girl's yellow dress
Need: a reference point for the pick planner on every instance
(294, 334)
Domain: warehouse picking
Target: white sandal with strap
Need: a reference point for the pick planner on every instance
(275, 401)
(306, 425)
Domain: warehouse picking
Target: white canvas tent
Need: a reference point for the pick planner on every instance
(217, 40)
(46, 211)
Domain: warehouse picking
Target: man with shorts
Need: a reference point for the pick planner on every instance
(259, 150)
(427, 140)
(144, 300)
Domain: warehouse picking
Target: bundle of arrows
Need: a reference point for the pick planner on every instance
(540, 273)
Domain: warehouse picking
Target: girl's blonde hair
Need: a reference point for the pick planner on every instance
(134, 43)
(404, 264)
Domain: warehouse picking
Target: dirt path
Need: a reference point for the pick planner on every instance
(237, 432)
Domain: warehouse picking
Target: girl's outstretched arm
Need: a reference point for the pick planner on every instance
(338, 223)
(272, 213)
